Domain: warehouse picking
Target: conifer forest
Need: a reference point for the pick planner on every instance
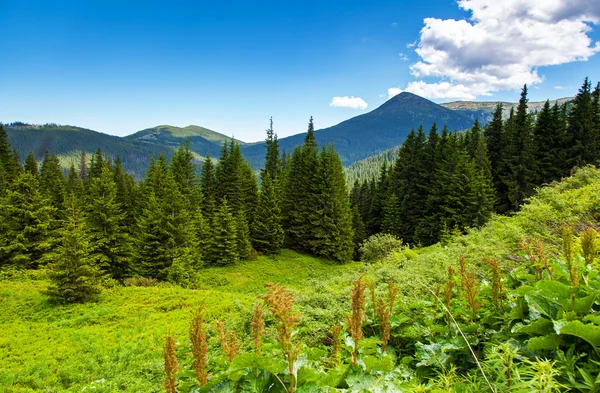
(467, 263)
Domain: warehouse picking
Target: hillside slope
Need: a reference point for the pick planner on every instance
(67, 142)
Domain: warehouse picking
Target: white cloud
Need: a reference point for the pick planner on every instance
(559, 87)
(403, 57)
(348, 102)
(394, 91)
(502, 45)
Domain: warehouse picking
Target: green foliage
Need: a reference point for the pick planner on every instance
(378, 247)
(75, 277)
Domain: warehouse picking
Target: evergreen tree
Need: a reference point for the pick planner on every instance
(126, 196)
(482, 187)
(519, 161)
(548, 141)
(31, 165)
(83, 166)
(379, 200)
(273, 165)
(202, 235)
(331, 234)
(224, 244)
(98, 162)
(242, 234)
(582, 137)
(74, 277)
(391, 215)
(267, 231)
(8, 169)
(74, 183)
(26, 216)
(53, 184)
(207, 185)
(299, 190)
(109, 241)
(184, 173)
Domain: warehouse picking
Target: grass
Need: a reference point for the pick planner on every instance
(115, 344)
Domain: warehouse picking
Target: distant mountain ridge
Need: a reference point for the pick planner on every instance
(376, 131)
(484, 110)
(355, 139)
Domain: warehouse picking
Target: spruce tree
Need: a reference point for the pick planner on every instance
(126, 195)
(519, 161)
(331, 234)
(109, 241)
(299, 191)
(379, 200)
(74, 276)
(184, 173)
(207, 185)
(74, 183)
(267, 231)
(482, 187)
(360, 232)
(273, 165)
(582, 137)
(548, 140)
(26, 216)
(8, 169)
(52, 183)
(242, 233)
(31, 165)
(224, 244)
(98, 162)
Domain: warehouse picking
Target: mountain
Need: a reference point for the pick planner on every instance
(202, 140)
(68, 141)
(371, 133)
(484, 110)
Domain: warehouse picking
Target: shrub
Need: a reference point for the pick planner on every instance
(139, 282)
(379, 246)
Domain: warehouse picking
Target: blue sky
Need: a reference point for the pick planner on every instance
(119, 68)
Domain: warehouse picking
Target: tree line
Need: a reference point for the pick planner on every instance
(442, 183)
(96, 221)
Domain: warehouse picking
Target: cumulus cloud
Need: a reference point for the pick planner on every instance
(403, 57)
(501, 46)
(348, 102)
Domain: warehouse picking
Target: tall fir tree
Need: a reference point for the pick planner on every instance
(109, 241)
(267, 231)
(519, 159)
(331, 234)
(53, 184)
(273, 165)
(223, 242)
(184, 173)
(582, 137)
(74, 277)
(207, 186)
(26, 235)
(548, 140)
(31, 165)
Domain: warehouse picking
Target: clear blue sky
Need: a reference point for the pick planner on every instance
(230, 65)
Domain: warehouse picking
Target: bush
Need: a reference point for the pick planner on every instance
(139, 282)
(379, 246)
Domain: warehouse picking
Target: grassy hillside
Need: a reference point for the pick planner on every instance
(202, 140)
(67, 142)
(115, 344)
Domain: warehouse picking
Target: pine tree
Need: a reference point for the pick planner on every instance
(83, 166)
(224, 244)
(184, 173)
(519, 161)
(360, 232)
(379, 200)
(299, 191)
(26, 227)
(98, 162)
(207, 185)
(8, 170)
(74, 277)
(273, 165)
(109, 241)
(242, 233)
(31, 165)
(52, 181)
(74, 183)
(582, 137)
(267, 231)
(548, 140)
(331, 234)
(126, 195)
(482, 187)
(202, 235)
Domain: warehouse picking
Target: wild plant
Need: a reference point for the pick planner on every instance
(536, 254)
(497, 285)
(228, 340)
(171, 365)
(199, 347)
(539, 376)
(384, 311)
(589, 245)
(469, 287)
(280, 302)
(500, 363)
(258, 328)
(336, 345)
(447, 293)
(355, 319)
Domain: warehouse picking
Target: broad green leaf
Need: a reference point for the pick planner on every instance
(539, 327)
(585, 331)
(547, 342)
(584, 305)
(543, 304)
(335, 376)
